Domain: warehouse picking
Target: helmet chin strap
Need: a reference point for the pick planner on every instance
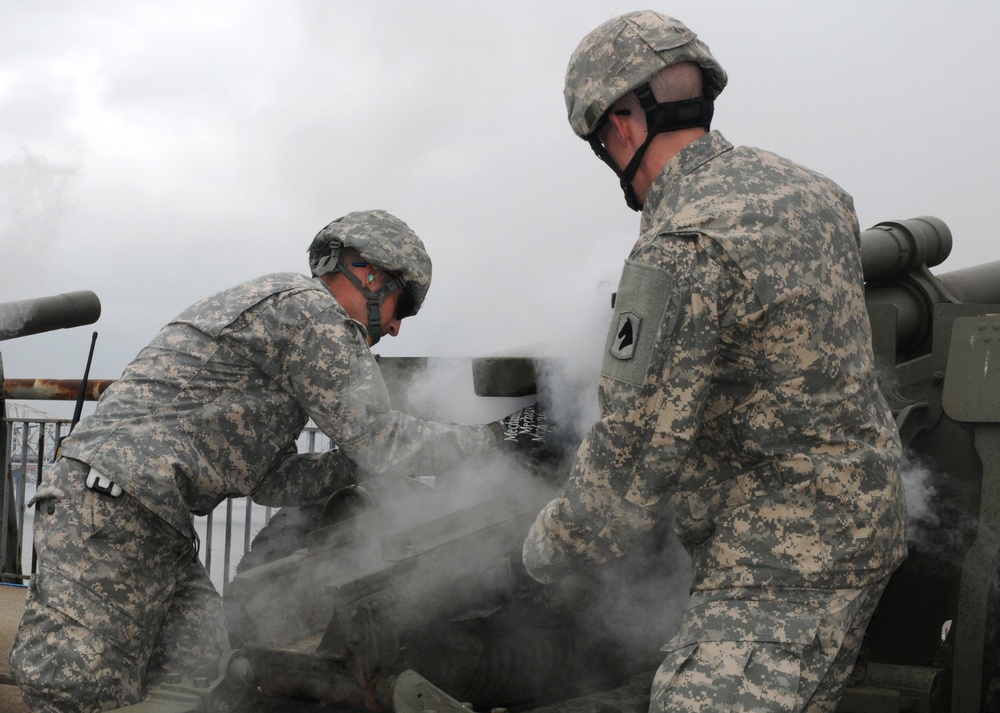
(661, 117)
(626, 176)
(375, 298)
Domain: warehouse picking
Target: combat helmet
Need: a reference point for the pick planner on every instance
(386, 243)
(621, 56)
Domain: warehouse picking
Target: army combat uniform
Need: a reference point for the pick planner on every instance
(211, 409)
(738, 386)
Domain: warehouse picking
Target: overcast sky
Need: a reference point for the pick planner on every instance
(156, 152)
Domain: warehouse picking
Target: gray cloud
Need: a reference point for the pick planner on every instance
(167, 151)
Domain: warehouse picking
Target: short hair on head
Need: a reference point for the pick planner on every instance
(677, 82)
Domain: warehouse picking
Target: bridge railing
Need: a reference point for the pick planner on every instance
(29, 452)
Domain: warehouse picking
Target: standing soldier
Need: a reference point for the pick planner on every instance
(737, 385)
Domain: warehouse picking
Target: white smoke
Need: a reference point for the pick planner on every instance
(444, 391)
(34, 199)
(13, 317)
(627, 608)
(632, 605)
(569, 379)
(938, 522)
(918, 484)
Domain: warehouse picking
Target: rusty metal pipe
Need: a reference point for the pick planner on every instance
(53, 389)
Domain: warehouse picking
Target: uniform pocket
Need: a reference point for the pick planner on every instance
(51, 507)
(103, 617)
(730, 675)
(707, 676)
(87, 674)
(99, 516)
(46, 498)
(736, 655)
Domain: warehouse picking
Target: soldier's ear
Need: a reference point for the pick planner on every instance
(622, 128)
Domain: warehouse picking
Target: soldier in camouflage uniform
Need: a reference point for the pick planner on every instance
(211, 409)
(737, 386)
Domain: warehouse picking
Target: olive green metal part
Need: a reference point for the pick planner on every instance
(883, 688)
(44, 314)
(505, 376)
(491, 376)
(412, 693)
(972, 378)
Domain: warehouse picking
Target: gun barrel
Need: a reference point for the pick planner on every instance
(898, 247)
(979, 284)
(45, 314)
(895, 256)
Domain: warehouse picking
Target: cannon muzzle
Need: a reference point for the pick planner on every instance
(897, 247)
(901, 293)
(45, 314)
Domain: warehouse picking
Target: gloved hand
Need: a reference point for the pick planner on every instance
(528, 432)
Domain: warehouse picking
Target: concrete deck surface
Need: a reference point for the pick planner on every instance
(11, 606)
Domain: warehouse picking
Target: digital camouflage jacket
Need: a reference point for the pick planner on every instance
(212, 407)
(738, 385)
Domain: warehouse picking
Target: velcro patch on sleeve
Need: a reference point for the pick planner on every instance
(644, 295)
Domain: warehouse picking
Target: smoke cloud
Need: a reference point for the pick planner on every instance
(920, 493)
(34, 198)
(937, 523)
(13, 317)
(621, 613)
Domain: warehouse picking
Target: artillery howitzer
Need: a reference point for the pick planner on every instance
(934, 642)
(343, 615)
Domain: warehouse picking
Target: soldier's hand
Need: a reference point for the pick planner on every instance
(528, 432)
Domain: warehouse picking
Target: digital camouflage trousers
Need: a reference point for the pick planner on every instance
(119, 599)
(764, 650)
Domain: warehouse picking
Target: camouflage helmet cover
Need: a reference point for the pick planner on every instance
(383, 240)
(624, 53)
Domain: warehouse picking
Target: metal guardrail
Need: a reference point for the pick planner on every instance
(29, 451)
(29, 448)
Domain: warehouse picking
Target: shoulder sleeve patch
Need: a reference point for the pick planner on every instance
(644, 300)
